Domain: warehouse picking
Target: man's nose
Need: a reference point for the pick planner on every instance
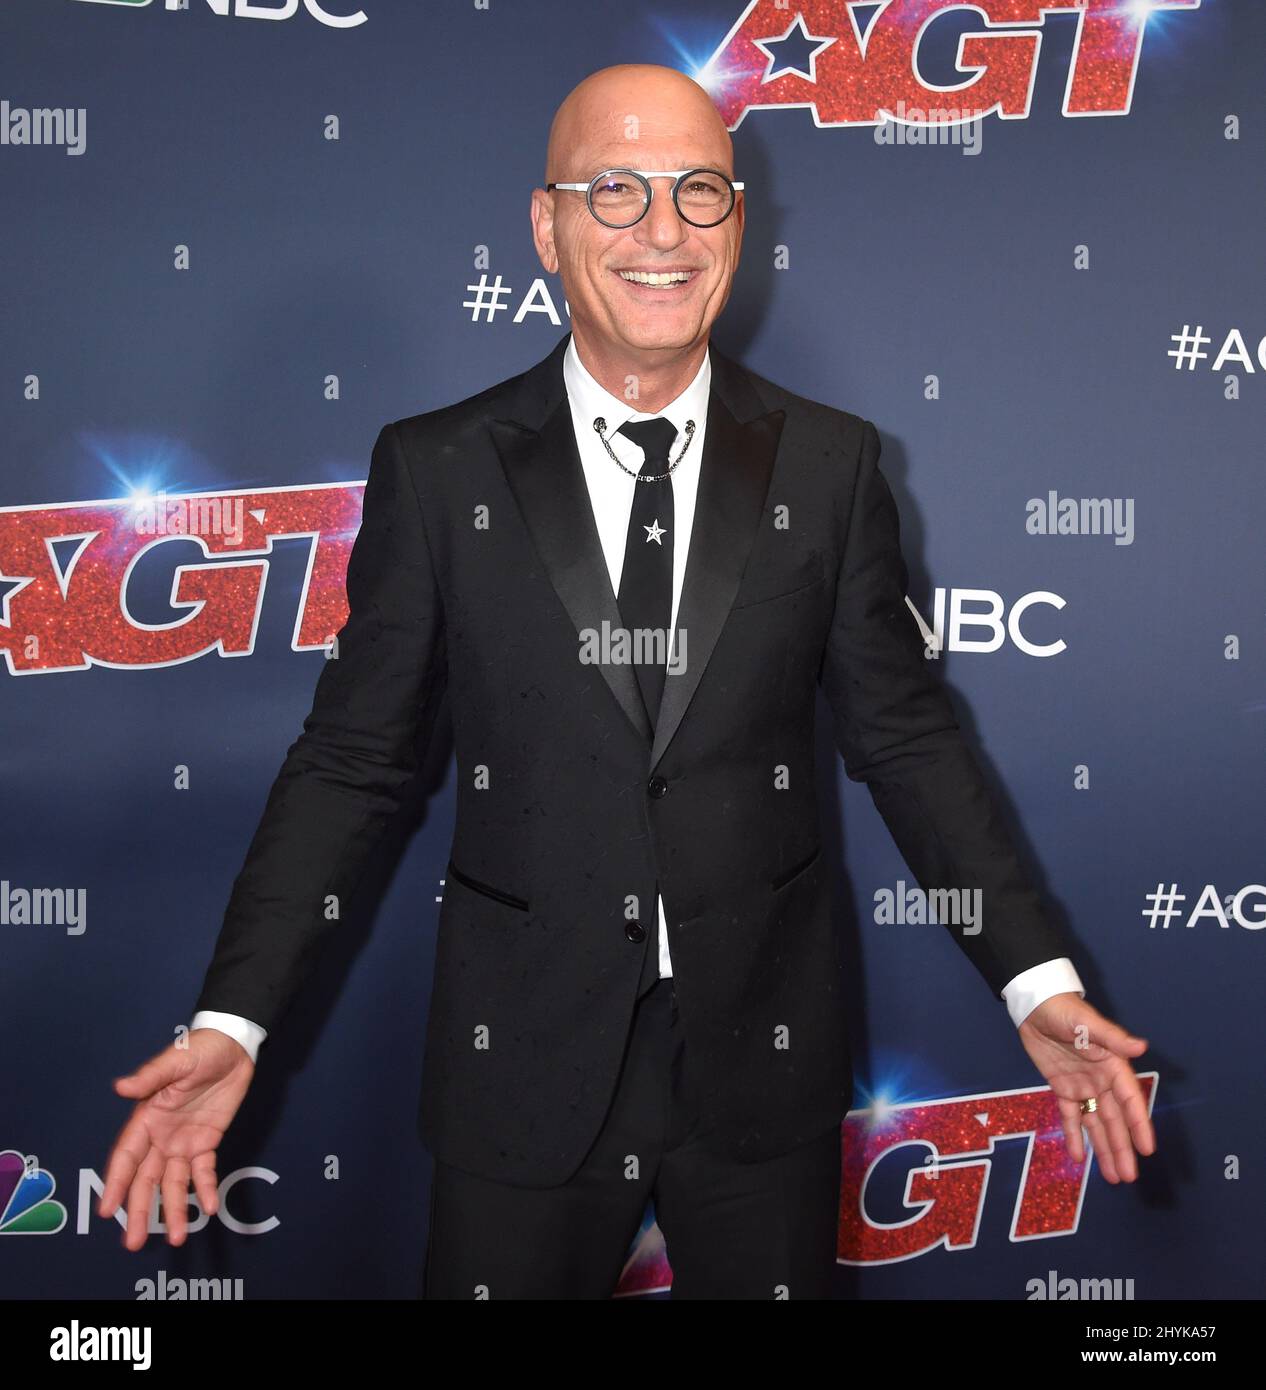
(662, 226)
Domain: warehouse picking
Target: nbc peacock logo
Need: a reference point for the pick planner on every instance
(26, 1197)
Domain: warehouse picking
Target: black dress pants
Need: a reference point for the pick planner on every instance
(732, 1230)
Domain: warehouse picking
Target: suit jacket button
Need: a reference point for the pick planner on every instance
(657, 787)
(635, 931)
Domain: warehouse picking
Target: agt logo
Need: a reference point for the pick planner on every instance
(254, 9)
(857, 62)
(915, 1178)
(70, 574)
(946, 1148)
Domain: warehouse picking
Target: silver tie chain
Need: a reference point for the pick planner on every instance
(600, 426)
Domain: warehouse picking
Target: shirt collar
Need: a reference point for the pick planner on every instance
(592, 399)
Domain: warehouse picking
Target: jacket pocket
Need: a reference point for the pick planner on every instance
(486, 889)
(765, 588)
(785, 880)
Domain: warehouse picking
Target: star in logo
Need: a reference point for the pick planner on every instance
(11, 585)
(654, 531)
(795, 59)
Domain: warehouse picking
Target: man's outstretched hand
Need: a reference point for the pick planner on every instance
(186, 1098)
(1083, 1054)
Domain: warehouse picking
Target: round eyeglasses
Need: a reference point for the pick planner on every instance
(620, 197)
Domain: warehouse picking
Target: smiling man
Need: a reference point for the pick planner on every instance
(636, 991)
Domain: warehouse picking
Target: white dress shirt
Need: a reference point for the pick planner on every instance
(611, 497)
(611, 488)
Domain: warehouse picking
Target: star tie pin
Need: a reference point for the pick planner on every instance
(654, 531)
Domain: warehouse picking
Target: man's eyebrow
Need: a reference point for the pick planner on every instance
(665, 166)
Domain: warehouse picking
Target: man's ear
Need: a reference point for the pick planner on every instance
(543, 229)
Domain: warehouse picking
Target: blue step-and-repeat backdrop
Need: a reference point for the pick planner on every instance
(1022, 236)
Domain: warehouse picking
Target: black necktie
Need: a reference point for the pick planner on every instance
(646, 598)
(646, 579)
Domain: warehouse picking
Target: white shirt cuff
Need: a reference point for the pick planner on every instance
(241, 1030)
(1035, 986)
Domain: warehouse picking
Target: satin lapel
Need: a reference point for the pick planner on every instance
(543, 471)
(738, 459)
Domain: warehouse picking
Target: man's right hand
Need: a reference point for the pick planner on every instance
(186, 1098)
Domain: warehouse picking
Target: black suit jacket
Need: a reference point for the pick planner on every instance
(477, 568)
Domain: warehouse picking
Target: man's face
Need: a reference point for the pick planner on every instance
(610, 311)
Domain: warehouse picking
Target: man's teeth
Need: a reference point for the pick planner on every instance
(647, 277)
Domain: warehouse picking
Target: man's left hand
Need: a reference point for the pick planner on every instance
(1082, 1054)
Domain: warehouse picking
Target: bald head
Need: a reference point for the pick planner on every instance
(604, 119)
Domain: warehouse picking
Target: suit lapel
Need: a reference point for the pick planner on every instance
(537, 447)
(738, 459)
(544, 470)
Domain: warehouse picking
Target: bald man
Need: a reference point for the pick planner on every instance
(636, 994)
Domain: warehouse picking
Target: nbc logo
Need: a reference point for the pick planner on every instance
(26, 1192)
(254, 9)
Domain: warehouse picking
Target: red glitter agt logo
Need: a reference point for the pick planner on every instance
(951, 1144)
(65, 572)
(802, 54)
